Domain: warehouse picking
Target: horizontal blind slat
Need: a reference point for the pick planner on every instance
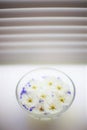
(44, 44)
(42, 3)
(43, 12)
(42, 29)
(46, 21)
(44, 37)
(40, 51)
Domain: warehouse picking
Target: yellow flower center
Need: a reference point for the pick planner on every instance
(50, 83)
(52, 107)
(43, 96)
(62, 99)
(34, 87)
(29, 100)
(59, 87)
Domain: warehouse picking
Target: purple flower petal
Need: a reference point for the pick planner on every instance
(31, 108)
(52, 95)
(25, 107)
(28, 84)
(23, 92)
(68, 92)
(40, 101)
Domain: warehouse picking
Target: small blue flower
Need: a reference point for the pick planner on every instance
(52, 95)
(25, 107)
(28, 84)
(40, 101)
(31, 108)
(68, 92)
(23, 92)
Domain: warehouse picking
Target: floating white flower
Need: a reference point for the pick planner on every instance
(52, 107)
(64, 99)
(32, 85)
(48, 95)
(50, 81)
(29, 100)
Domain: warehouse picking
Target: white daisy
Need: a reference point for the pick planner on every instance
(49, 95)
(50, 81)
(29, 100)
(64, 99)
(33, 85)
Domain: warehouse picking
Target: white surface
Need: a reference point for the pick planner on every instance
(13, 118)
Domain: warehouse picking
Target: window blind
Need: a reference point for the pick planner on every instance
(43, 31)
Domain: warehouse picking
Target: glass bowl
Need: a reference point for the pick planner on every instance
(45, 93)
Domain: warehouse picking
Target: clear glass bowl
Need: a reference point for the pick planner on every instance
(45, 93)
